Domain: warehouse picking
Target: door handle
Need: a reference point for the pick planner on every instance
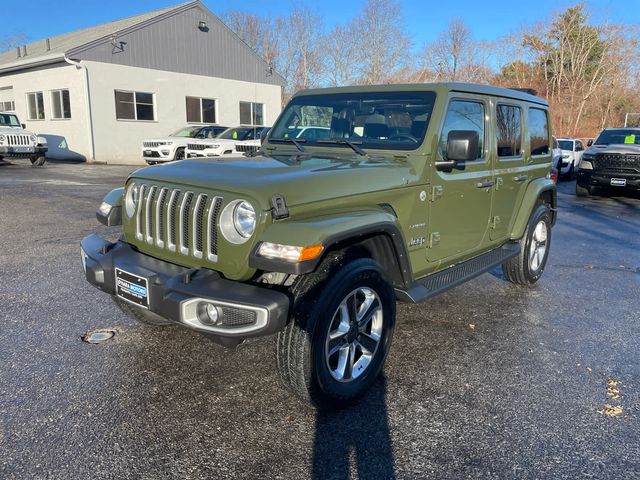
(486, 183)
(521, 178)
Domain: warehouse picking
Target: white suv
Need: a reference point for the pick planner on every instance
(166, 149)
(572, 150)
(236, 141)
(17, 142)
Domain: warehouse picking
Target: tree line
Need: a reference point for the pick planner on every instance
(586, 69)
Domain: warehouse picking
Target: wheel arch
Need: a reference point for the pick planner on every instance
(540, 190)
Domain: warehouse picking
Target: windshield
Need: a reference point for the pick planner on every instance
(9, 120)
(566, 145)
(189, 132)
(626, 135)
(242, 133)
(377, 120)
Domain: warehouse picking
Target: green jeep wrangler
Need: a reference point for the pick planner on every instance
(402, 192)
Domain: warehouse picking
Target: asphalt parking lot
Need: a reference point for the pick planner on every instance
(486, 381)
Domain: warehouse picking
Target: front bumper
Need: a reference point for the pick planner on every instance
(203, 153)
(175, 291)
(158, 154)
(598, 178)
(26, 151)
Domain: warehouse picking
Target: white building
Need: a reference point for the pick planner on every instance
(97, 93)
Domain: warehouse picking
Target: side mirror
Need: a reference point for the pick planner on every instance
(589, 143)
(462, 146)
(24, 126)
(263, 135)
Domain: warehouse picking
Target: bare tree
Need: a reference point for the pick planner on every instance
(381, 40)
(12, 41)
(456, 56)
(340, 54)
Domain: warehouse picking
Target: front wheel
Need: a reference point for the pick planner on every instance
(179, 154)
(38, 161)
(335, 346)
(526, 268)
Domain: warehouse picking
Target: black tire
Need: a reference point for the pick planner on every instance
(38, 161)
(179, 154)
(582, 191)
(301, 351)
(140, 314)
(520, 269)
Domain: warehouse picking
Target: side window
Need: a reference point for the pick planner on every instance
(509, 131)
(579, 146)
(464, 115)
(538, 131)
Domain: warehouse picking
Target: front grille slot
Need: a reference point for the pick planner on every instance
(212, 221)
(198, 222)
(172, 226)
(183, 220)
(141, 193)
(159, 219)
(149, 214)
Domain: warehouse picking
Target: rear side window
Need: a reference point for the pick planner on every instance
(509, 131)
(464, 115)
(538, 131)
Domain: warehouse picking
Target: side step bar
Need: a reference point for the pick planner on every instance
(450, 277)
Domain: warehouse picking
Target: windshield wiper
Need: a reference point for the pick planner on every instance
(341, 141)
(296, 141)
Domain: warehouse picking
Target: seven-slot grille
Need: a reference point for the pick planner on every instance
(617, 162)
(180, 221)
(197, 146)
(151, 144)
(18, 140)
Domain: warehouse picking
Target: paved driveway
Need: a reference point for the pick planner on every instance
(486, 381)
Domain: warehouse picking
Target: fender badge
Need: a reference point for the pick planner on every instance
(280, 209)
(423, 195)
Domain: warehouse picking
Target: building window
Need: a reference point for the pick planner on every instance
(251, 113)
(201, 110)
(60, 104)
(9, 106)
(538, 132)
(35, 106)
(508, 121)
(134, 105)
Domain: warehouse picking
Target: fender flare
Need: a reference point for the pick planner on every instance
(535, 190)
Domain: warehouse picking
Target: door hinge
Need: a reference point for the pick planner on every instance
(436, 192)
(494, 222)
(434, 239)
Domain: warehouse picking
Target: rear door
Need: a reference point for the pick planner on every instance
(509, 168)
(461, 198)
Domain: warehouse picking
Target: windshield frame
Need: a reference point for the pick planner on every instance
(425, 99)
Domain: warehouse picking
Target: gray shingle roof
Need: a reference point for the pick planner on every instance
(61, 44)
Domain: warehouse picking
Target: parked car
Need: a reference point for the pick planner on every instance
(613, 161)
(167, 149)
(556, 155)
(18, 142)
(232, 141)
(316, 241)
(572, 150)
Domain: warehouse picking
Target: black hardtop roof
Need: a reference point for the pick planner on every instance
(440, 86)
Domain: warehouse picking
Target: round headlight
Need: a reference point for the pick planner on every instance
(33, 138)
(2, 138)
(131, 199)
(244, 219)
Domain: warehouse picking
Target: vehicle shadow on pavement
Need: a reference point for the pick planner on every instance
(354, 442)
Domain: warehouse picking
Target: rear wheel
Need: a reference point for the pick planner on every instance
(526, 268)
(38, 161)
(582, 191)
(140, 314)
(340, 332)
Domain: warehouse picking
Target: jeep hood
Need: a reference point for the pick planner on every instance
(15, 131)
(305, 181)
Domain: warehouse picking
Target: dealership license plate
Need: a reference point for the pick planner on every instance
(132, 288)
(619, 182)
(23, 149)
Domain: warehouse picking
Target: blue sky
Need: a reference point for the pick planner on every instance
(488, 19)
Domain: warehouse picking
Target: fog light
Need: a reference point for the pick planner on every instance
(208, 314)
(165, 152)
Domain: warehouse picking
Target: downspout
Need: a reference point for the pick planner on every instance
(79, 66)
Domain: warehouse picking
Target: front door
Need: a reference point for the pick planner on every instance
(461, 199)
